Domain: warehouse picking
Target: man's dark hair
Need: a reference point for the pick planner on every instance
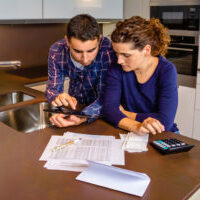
(83, 27)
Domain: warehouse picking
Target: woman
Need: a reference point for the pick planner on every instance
(141, 93)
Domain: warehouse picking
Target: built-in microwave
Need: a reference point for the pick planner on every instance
(182, 19)
(178, 17)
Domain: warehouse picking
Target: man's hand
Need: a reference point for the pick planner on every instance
(60, 120)
(66, 100)
(153, 125)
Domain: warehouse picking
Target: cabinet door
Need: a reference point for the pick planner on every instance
(196, 132)
(197, 104)
(185, 112)
(20, 9)
(136, 7)
(66, 9)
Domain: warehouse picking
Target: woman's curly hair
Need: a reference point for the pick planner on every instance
(141, 32)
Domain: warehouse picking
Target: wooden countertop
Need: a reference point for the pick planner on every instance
(23, 176)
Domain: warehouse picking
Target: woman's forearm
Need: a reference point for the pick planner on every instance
(133, 126)
(129, 114)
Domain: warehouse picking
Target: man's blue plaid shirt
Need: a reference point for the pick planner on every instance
(86, 85)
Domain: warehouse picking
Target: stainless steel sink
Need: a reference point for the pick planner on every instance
(14, 97)
(28, 118)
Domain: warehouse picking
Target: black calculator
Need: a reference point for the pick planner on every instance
(171, 145)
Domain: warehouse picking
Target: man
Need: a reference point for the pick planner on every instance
(84, 56)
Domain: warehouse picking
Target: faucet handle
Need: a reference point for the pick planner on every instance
(7, 64)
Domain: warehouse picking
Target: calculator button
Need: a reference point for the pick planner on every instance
(157, 143)
(167, 145)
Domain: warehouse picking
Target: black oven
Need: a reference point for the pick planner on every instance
(183, 55)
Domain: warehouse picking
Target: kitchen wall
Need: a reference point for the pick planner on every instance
(29, 42)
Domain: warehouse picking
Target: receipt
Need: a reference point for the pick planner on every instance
(132, 142)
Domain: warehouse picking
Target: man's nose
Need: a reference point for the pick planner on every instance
(85, 57)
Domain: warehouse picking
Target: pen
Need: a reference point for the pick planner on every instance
(66, 144)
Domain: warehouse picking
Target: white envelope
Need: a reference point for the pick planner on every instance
(123, 180)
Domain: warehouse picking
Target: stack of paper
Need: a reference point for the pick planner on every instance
(73, 157)
(134, 143)
(115, 178)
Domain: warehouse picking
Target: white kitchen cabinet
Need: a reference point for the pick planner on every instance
(197, 104)
(185, 112)
(137, 7)
(20, 9)
(100, 9)
(196, 132)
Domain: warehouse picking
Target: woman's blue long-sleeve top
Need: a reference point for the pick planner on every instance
(156, 98)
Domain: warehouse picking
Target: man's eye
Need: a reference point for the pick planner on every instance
(90, 51)
(77, 51)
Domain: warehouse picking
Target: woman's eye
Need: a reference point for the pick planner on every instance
(126, 55)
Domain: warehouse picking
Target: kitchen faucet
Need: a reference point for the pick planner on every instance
(7, 64)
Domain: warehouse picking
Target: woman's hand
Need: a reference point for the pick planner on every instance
(153, 125)
(149, 125)
(60, 120)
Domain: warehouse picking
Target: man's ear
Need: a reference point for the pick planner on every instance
(67, 41)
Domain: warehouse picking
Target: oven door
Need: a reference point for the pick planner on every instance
(184, 58)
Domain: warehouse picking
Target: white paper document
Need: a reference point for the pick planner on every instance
(73, 157)
(88, 136)
(123, 180)
(62, 165)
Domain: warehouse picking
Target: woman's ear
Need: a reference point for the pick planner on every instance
(147, 50)
(100, 36)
